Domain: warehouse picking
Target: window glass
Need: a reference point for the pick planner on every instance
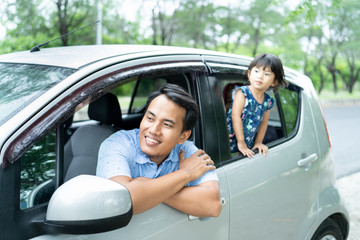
(290, 107)
(146, 86)
(81, 111)
(124, 93)
(20, 84)
(38, 172)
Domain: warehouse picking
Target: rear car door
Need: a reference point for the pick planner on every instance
(274, 196)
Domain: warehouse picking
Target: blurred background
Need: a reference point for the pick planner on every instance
(317, 37)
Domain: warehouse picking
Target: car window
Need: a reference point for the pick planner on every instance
(37, 175)
(142, 92)
(20, 84)
(283, 116)
(132, 97)
(289, 100)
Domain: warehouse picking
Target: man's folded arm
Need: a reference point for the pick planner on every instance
(202, 200)
(147, 193)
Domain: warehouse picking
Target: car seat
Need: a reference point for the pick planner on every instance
(81, 151)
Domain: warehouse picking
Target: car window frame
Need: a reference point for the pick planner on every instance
(236, 66)
(95, 85)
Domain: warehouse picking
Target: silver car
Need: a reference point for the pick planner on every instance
(58, 104)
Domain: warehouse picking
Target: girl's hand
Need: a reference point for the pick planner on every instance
(262, 148)
(245, 150)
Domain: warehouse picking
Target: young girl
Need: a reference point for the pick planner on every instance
(248, 116)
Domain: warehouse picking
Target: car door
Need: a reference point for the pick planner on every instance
(273, 196)
(161, 222)
(164, 222)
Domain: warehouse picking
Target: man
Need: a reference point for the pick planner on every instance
(157, 164)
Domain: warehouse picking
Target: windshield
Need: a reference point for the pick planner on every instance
(20, 84)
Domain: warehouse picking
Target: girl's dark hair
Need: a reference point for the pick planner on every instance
(179, 96)
(269, 60)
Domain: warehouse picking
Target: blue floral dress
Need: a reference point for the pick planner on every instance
(251, 116)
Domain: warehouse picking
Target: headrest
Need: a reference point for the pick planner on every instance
(106, 110)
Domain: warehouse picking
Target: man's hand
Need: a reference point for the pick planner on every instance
(196, 165)
(146, 193)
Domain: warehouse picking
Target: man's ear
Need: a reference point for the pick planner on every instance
(184, 136)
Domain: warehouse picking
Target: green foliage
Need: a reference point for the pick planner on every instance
(317, 37)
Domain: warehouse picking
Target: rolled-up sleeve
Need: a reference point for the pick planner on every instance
(190, 149)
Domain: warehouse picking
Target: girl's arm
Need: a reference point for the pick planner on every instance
(237, 109)
(261, 134)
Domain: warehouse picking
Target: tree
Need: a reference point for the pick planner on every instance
(23, 14)
(232, 29)
(164, 26)
(320, 37)
(71, 15)
(195, 24)
(117, 29)
(348, 15)
(263, 19)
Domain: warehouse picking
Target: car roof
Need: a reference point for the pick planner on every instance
(78, 56)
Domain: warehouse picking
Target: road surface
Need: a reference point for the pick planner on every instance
(343, 123)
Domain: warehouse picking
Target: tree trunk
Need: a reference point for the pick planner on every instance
(154, 27)
(63, 25)
(332, 70)
(353, 73)
(256, 41)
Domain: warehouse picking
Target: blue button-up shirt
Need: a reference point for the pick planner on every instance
(120, 154)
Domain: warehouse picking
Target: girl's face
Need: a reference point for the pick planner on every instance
(261, 78)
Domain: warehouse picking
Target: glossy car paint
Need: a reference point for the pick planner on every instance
(272, 197)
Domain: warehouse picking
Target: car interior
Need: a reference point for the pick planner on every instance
(105, 118)
(122, 108)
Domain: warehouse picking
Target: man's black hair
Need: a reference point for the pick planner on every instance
(179, 96)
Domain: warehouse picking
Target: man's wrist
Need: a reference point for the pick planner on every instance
(186, 175)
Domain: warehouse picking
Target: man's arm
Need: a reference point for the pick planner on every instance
(201, 201)
(147, 193)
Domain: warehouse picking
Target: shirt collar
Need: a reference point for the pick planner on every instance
(143, 158)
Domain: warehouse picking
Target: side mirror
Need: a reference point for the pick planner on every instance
(88, 204)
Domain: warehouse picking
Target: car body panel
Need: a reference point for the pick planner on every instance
(261, 186)
(267, 197)
(162, 222)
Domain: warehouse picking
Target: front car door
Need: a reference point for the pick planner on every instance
(30, 175)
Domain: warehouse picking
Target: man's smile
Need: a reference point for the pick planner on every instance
(151, 140)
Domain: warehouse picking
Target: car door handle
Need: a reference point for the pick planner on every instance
(307, 161)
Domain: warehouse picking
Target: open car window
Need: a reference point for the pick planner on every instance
(284, 116)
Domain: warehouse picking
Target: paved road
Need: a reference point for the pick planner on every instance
(343, 123)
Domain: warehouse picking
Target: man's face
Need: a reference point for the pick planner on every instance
(161, 128)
